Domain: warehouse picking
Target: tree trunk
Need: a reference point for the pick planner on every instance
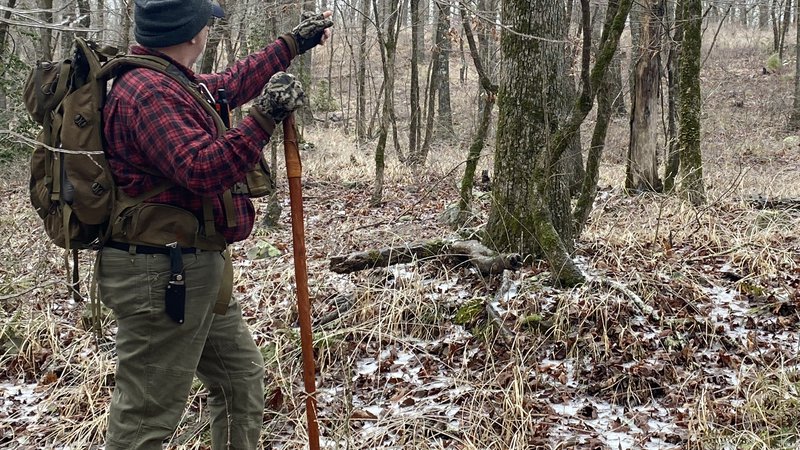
(763, 14)
(301, 66)
(774, 13)
(126, 25)
(794, 118)
(642, 163)
(430, 110)
(388, 47)
(444, 44)
(423, 22)
(414, 125)
(479, 138)
(361, 76)
(614, 78)
(524, 217)
(209, 61)
(4, 27)
(46, 34)
(85, 20)
(787, 13)
(690, 104)
(616, 15)
(672, 165)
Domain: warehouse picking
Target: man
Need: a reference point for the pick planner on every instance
(163, 272)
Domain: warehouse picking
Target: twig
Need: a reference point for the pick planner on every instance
(19, 294)
(646, 309)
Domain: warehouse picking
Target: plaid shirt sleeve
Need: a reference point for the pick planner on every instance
(246, 78)
(154, 130)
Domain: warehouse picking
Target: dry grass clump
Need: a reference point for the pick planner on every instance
(763, 414)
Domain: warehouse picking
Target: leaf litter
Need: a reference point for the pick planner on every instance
(686, 337)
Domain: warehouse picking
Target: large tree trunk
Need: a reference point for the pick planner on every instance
(690, 104)
(526, 214)
(642, 163)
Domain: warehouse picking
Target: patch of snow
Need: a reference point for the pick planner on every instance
(366, 366)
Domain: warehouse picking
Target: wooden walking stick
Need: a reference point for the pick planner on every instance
(293, 171)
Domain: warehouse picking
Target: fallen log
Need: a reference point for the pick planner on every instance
(759, 202)
(457, 253)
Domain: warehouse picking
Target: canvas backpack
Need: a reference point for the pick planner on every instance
(71, 187)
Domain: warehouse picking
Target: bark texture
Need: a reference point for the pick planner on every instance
(530, 212)
(641, 173)
(691, 104)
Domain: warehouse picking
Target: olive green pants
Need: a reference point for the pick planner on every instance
(158, 358)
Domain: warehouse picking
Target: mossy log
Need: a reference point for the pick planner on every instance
(454, 253)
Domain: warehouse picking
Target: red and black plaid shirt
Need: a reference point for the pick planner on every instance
(155, 129)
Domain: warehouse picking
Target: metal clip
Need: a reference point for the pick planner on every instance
(204, 90)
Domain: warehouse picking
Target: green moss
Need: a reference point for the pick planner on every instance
(751, 289)
(470, 312)
(774, 62)
(374, 255)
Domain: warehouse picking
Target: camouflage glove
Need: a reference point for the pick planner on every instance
(282, 95)
(310, 30)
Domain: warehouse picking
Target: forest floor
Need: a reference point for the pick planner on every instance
(685, 336)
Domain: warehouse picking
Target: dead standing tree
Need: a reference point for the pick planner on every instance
(641, 173)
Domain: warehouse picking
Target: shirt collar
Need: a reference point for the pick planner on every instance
(139, 50)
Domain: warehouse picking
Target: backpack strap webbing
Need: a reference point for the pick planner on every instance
(114, 66)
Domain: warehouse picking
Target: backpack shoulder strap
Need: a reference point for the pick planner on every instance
(116, 65)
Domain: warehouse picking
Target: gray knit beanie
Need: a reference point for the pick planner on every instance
(163, 23)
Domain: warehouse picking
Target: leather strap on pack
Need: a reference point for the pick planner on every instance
(230, 211)
(226, 286)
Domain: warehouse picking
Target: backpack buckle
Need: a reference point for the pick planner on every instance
(97, 188)
(80, 121)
